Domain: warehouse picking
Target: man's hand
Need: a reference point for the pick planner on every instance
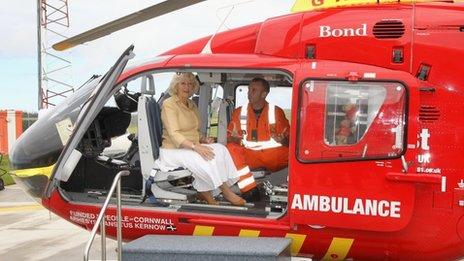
(278, 137)
(281, 138)
(234, 136)
(236, 140)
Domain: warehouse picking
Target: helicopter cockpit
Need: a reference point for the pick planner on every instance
(127, 131)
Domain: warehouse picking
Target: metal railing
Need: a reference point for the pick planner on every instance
(100, 222)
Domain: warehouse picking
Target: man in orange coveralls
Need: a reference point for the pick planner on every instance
(257, 136)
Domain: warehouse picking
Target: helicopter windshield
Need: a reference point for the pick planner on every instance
(85, 117)
(46, 137)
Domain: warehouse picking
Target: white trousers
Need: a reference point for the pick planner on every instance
(208, 174)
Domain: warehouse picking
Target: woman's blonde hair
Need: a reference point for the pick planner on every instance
(178, 77)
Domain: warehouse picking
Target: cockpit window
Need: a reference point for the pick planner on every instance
(342, 120)
(50, 132)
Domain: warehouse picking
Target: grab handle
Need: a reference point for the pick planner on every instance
(414, 177)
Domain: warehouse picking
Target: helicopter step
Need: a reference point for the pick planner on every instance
(158, 247)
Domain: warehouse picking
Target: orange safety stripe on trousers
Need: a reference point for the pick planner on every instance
(243, 171)
(246, 182)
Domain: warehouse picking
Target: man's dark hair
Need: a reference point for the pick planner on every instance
(263, 82)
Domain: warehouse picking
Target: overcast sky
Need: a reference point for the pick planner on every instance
(18, 46)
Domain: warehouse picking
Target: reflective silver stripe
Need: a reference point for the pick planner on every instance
(244, 111)
(243, 171)
(244, 117)
(258, 145)
(244, 120)
(271, 114)
(248, 181)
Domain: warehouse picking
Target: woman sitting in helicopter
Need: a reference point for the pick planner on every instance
(183, 146)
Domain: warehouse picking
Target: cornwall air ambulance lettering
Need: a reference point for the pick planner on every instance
(139, 222)
(153, 223)
(363, 207)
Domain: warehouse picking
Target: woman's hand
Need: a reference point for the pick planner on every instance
(204, 151)
(207, 140)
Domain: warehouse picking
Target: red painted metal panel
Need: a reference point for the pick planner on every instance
(338, 193)
(413, 178)
(3, 133)
(240, 40)
(281, 37)
(360, 45)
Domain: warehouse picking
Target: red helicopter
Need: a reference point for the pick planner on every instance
(373, 93)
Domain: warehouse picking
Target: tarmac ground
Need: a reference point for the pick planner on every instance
(30, 232)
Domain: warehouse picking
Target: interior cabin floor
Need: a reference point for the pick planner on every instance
(133, 198)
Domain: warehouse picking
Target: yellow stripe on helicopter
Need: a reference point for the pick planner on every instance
(297, 242)
(338, 249)
(25, 173)
(203, 231)
(309, 5)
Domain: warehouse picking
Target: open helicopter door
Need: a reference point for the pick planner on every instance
(70, 156)
(350, 143)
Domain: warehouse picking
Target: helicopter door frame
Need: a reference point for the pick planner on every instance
(342, 185)
(69, 157)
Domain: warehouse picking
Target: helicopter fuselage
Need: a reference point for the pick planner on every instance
(393, 193)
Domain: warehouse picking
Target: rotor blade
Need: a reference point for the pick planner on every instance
(126, 21)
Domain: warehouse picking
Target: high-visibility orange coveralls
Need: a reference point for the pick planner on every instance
(258, 149)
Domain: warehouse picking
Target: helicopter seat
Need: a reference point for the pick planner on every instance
(224, 109)
(150, 130)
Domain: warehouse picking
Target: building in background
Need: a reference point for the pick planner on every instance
(11, 127)
(28, 119)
